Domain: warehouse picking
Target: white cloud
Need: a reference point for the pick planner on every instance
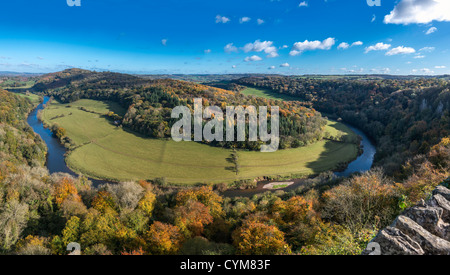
(378, 47)
(300, 47)
(381, 71)
(344, 46)
(260, 21)
(164, 42)
(419, 11)
(272, 68)
(258, 46)
(440, 67)
(303, 4)
(401, 50)
(419, 56)
(252, 58)
(427, 49)
(222, 19)
(229, 48)
(431, 30)
(207, 51)
(427, 71)
(234, 66)
(244, 19)
(285, 65)
(273, 55)
(385, 70)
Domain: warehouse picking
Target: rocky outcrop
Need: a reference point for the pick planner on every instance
(421, 230)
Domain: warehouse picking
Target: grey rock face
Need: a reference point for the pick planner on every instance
(443, 191)
(422, 229)
(392, 241)
(430, 243)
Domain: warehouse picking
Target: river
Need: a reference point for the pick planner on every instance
(56, 157)
(55, 151)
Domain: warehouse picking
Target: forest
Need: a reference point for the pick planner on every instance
(41, 213)
(404, 116)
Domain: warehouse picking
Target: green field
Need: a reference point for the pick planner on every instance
(268, 94)
(107, 152)
(8, 84)
(35, 99)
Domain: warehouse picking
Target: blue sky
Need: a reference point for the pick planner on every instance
(232, 36)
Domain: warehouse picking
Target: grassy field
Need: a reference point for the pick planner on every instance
(35, 99)
(268, 94)
(107, 152)
(8, 85)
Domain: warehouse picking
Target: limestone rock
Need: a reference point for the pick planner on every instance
(430, 243)
(422, 229)
(393, 242)
(428, 217)
(441, 190)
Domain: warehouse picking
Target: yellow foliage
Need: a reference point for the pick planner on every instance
(147, 203)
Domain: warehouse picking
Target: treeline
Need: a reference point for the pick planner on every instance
(149, 104)
(404, 116)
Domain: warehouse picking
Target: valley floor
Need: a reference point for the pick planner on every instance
(105, 151)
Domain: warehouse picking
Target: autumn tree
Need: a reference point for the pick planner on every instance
(361, 201)
(103, 201)
(192, 217)
(163, 239)
(258, 238)
(147, 203)
(204, 195)
(65, 189)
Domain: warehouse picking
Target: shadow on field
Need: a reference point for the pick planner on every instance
(329, 161)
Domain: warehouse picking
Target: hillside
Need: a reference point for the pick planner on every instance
(18, 143)
(405, 117)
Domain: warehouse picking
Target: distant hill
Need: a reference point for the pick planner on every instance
(7, 73)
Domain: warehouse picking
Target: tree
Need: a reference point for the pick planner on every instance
(13, 219)
(147, 203)
(235, 161)
(257, 238)
(103, 201)
(71, 233)
(163, 239)
(204, 195)
(65, 189)
(192, 217)
(361, 201)
(296, 209)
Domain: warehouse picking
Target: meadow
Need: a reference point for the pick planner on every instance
(105, 151)
(35, 99)
(267, 94)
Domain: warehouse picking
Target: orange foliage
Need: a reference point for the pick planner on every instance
(138, 252)
(293, 210)
(163, 239)
(65, 189)
(257, 238)
(205, 195)
(192, 217)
